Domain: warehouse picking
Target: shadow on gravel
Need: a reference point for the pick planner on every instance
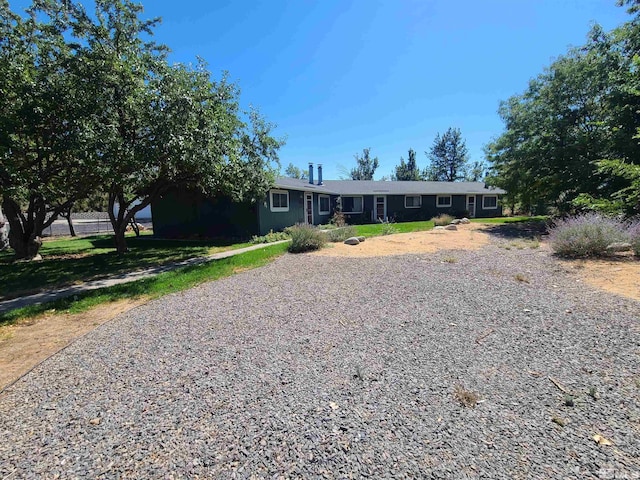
(530, 229)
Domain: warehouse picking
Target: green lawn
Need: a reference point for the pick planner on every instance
(161, 284)
(68, 261)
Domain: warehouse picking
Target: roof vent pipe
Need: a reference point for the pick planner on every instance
(311, 173)
(319, 174)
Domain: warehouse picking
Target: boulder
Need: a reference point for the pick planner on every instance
(360, 238)
(451, 227)
(455, 222)
(352, 241)
(465, 221)
(439, 227)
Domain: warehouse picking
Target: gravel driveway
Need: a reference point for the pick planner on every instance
(319, 367)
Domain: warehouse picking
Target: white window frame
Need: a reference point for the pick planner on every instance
(438, 197)
(279, 192)
(324, 212)
(353, 196)
(419, 197)
(484, 197)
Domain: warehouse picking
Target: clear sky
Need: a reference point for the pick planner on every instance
(337, 76)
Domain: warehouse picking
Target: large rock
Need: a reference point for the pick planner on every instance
(451, 227)
(352, 241)
(465, 220)
(455, 221)
(360, 238)
(439, 227)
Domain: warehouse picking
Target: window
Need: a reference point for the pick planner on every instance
(279, 201)
(351, 204)
(490, 202)
(324, 206)
(443, 201)
(412, 201)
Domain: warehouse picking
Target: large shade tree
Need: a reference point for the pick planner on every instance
(448, 156)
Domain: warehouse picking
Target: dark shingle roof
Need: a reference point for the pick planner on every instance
(373, 187)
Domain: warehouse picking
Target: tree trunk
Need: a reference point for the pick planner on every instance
(23, 237)
(67, 215)
(121, 243)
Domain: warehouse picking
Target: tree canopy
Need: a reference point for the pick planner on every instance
(90, 103)
(365, 166)
(407, 171)
(571, 139)
(448, 156)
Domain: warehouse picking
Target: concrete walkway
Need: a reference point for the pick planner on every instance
(51, 295)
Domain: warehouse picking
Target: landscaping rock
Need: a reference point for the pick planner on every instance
(619, 247)
(439, 227)
(361, 238)
(455, 221)
(352, 241)
(451, 227)
(465, 221)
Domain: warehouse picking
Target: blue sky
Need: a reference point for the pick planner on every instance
(337, 76)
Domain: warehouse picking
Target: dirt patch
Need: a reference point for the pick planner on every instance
(467, 237)
(27, 343)
(619, 275)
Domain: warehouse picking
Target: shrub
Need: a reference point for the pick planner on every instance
(305, 238)
(270, 237)
(388, 228)
(442, 220)
(634, 237)
(338, 219)
(586, 235)
(341, 234)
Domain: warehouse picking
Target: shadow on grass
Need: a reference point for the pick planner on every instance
(520, 229)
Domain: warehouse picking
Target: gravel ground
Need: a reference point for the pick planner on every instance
(318, 367)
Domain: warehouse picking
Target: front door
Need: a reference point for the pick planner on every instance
(380, 207)
(308, 208)
(471, 205)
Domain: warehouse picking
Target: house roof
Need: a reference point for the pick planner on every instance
(378, 187)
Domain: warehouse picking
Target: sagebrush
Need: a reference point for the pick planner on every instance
(634, 237)
(270, 237)
(341, 234)
(586, 235)
(442, 220)
(305, 238)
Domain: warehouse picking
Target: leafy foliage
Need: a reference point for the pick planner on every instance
(407, 171)
(294, 172)
(365, 167)
(586, 235)
(449, 157)
(571, 138)
(305, 238)
(270, 237)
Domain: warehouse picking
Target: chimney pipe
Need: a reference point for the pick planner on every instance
(319, 174)
(311, 173)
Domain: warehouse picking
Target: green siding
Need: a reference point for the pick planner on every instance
(184, 214)
(278, 221)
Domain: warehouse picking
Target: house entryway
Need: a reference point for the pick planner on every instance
(308, 208)
(471, 205)
(380, 207)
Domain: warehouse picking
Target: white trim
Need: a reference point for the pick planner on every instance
(306, 217)
(414, 206)
(352, 196)
(279, 192)
(375, 207)
(324, 212)
(438, 197)
(475, 207)
(489, 196)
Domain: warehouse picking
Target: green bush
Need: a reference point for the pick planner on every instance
(270, 237)
(388, 228)
(442, 220)
(341, 234)
(586, 235)
(305, 238)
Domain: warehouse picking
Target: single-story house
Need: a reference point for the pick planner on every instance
(291, 201)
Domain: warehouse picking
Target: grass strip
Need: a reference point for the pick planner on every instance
(152, 287)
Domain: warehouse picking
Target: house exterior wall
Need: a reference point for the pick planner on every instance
(184, 214)
(278, 221)
(487, 213)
